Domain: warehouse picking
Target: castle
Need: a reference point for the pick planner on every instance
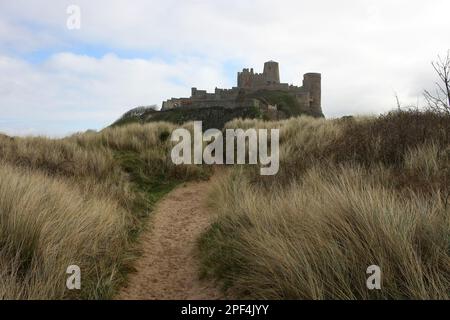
(308, 95)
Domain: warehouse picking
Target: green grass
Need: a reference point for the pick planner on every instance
(149, 187)
(217, 255)
(287, 103)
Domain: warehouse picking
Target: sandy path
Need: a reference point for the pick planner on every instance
(168, 268)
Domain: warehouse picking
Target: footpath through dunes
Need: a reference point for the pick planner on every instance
(168, 269)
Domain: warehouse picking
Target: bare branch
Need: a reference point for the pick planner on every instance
(399, 105)
(440, 101)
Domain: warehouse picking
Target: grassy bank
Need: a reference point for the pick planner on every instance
(80, 200)
(350, 193)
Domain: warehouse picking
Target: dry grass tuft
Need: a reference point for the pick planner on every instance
(47, 225)
(350, 193)
(80, 200)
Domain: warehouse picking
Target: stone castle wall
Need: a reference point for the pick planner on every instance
(308, 95)
(247, 79)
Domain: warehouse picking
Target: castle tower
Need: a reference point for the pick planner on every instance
(312, 82)
(272, 72)
(245, 78)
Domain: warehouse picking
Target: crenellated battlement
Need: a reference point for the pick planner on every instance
(308, 95)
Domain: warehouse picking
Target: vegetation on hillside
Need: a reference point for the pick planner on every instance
(217, 117)
(135, 115)
(285, 102)
(350, 193)
(80, 201)
(214, 117)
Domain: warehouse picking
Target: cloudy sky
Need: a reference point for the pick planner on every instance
(55, 81)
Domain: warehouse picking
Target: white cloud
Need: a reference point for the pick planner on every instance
(82, 89)
(365, 49)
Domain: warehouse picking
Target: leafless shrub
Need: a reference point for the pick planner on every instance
(440, 99)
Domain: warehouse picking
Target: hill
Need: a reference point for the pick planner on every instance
(215, 117)
(82, 200)
(350, 193)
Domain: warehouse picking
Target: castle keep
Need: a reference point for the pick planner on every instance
(248, 82)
